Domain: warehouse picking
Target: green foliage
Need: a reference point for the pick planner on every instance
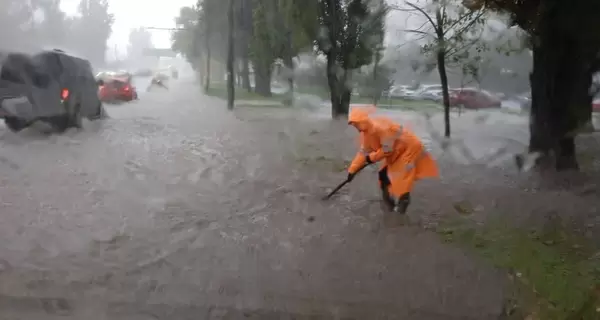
(94, 23)
(85, 34)
(196, 24)
(276, 33)
(266, 42)
(351, 31)
(557, 272)
(185, 39)
(54, 28)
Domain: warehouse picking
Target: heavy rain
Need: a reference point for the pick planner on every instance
(179, 159)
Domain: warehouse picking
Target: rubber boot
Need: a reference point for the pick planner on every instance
(402, 203)
(384, 183)
(387, 199)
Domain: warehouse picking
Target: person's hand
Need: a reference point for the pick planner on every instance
(350, 176)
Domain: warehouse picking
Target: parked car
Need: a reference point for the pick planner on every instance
(396, 91)
(519, 102)
(426, 92)
(429, 87)
(117, 89)
(431, 94)
(50, 86)
(471, 98)
(400, 91)
(596, 105)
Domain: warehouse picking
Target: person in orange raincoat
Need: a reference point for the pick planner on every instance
(404, 158)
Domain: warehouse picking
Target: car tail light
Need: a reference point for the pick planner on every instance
(64, 94)
(126, 88)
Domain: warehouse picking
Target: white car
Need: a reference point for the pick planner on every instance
(429, 92)
(519, 102)
(403, 92)
(397, 91)
(433, 95)
(429, 87)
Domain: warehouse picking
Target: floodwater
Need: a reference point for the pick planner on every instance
(176, 209)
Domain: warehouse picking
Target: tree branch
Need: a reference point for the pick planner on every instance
(420, 10)
(425, 34)
(468, 25)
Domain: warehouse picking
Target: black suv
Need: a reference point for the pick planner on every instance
(50, 86)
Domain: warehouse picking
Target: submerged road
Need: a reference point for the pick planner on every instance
(175, 209)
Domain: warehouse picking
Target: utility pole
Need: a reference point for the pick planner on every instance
(230, 59)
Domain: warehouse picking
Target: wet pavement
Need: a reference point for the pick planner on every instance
(176, 209)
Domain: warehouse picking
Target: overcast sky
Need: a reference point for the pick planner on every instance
(139, 13)
(161, 13)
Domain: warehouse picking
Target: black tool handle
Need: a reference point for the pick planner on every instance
(341, 185)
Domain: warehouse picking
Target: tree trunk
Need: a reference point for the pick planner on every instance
(247, 30)
(340, 94)
(246, 74)
(289, 64)
(199, 63)
(230, 58)
(560, 99)
(375, 92)
(262, 79)
(208, 58)
(441, 62)
(289, 74)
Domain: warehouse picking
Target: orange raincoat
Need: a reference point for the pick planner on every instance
(401, 151)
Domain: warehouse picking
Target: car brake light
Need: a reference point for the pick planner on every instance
(126, 88)
(64, 94)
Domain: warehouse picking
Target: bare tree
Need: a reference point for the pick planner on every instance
(449, 32)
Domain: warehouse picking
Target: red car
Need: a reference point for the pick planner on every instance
(596, 105)
(116, 89)
(474, 99)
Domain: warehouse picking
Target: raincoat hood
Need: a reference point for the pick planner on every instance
(360, 115)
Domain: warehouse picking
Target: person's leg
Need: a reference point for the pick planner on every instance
(402, 204)
(384, 184)
(402, 181)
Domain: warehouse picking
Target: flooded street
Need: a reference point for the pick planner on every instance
(176, 209)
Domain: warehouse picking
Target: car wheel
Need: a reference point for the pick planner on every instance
(76, 120)
(15, 124)
(60, 123)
